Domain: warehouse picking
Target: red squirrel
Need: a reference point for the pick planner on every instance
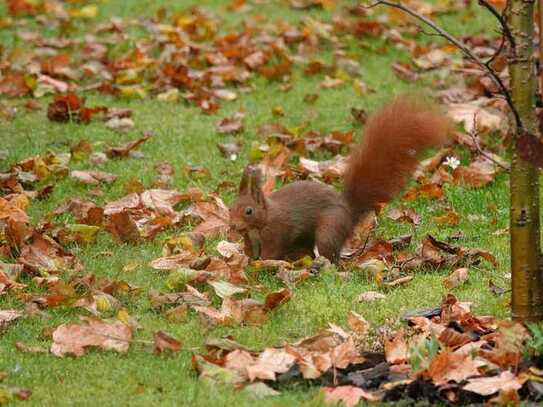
(306, 218)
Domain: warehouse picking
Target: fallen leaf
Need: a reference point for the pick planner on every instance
(486, 386)
(407, 215)
(396, 348)
(7, 316)
(448, 366)
(233, 124)
(93, 177)
(358, 323)
(269, 363)
(450, 218)
(259, 390)
(475, 116)
(349, 395)
(74, 338)
(456, 278)
(225, 289)
(370, 296)
(165, 342)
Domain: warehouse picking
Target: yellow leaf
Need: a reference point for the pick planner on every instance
(90, 11)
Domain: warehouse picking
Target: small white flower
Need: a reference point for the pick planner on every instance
(452, 162)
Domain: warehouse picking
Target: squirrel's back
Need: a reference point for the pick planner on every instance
(394, 137)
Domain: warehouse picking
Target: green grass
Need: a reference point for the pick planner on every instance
(185, 136)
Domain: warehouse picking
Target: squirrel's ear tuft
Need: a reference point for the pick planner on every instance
(251, 178)
(251, 182)
(244, 183)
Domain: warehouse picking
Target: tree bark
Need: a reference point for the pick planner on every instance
(527, 279)
(540, 31)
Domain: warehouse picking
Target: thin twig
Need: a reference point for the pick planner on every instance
(501, 19)
(462, 47)
(498, 52)
(474, 134)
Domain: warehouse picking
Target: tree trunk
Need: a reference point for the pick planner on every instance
(527, 279)
(540, 30)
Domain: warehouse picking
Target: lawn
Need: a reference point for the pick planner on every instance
(184, 136)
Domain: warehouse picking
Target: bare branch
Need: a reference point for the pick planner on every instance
(463, 47)
(498, 52)
(474, 134)
(501, 19)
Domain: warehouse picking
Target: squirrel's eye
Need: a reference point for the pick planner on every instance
(248, 211)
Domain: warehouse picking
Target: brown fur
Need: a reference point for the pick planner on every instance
(294, 220)
(394, 137)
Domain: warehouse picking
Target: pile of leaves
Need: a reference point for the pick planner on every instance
(444, 354)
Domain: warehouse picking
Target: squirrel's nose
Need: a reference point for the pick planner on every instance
(238, 226)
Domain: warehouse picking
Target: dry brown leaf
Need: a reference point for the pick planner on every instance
(215, 217)
(93, 177)
(131, 201)
(448, 366)
(45, 255)
(124, 227)
(369, 296)
(165, 342)
(456, 278)
(450, 218)
(274, 299)
(478, 174)
(475, 117)
(22, 347)
(407, 215)
(486, 386)
(428, 190)
(7, 316)
(124, 150)
(228, 249)
(182, 259)
(269, 363)
(396, 348)
(349, 395)
(358, 323)
(74, 338)
(233, 124)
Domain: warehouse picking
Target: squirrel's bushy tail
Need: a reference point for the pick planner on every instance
(389, 153)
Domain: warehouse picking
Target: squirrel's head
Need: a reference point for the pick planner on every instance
(249, 209)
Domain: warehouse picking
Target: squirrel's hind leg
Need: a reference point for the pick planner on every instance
(333, 229)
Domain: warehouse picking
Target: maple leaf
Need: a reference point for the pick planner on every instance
(161, 200)
(74, 338)
(215, 216)
(448, 366)
(509, 340)
(269, 363)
